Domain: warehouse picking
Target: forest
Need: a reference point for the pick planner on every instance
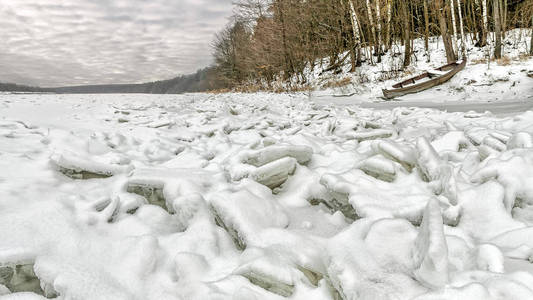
(268, 41)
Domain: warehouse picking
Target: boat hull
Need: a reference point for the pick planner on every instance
(415, 88)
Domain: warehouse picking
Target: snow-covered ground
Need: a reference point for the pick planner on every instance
(504, 80)
(261, 196)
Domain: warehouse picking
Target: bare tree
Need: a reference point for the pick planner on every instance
(389, 22)
(407, 34)
(462, 28)
(426, 30)
(497, 30)
(454, 26)
(371, 21)
(448, 47)
(485, 23)
(378, 22)
(356, 35)
(531, 41)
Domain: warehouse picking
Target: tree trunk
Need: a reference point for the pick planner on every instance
(407, 30)
(371, 21)
(389, 28)
(454, 26)
(485, 24)
(475, 9)
(356, 34)
(450, 55)
(378, 22)
(462, 28)
(531, 42)
(504, 18)
(497, 30)
(426, 30)
(289, 69)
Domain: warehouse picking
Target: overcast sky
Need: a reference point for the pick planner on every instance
(70, 42)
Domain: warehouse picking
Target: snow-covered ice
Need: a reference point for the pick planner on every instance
(261, 196)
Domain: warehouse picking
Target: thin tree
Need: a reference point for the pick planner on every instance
(371, 21)
(485, 23)
(454, 25)
(378, 22)
(462, 28)
(389, 23)
(356, 34)
(531, 41)
(497, 30)
(407, 34)
(426, 30)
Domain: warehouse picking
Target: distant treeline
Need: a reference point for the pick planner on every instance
(202, 80)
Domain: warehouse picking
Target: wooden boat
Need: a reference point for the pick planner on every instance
(425, 81)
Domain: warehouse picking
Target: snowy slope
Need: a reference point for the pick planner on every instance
(261, 196)
(502, 80)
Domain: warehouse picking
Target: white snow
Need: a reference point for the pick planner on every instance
(500, 81)
(261, 196)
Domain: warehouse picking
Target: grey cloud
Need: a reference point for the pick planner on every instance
(70, 42)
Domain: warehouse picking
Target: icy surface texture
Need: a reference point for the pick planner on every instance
(261, 196)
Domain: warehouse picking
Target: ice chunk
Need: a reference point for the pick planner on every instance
(379, 167)
(339, 200)
(476, 135)
(431, 251)
(428, 160)
(162, 186)
(21, 278)
(483, 207)
(355, 274)
(486, 151)
(377, 199)
(436, 170)
(153, 193)
(269, 154)
(514, 170)
(78, 167)
(494, 143)
(469, 291)
(520, 140)
(275, 173)
(403, 154)
(23, 296)
(501, 136)
(370, 134)
(387, 234)
(489, 258)
(271, 271)
(451, 141)
(244, 214)
(515, 238)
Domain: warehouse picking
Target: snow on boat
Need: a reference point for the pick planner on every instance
(425, 81)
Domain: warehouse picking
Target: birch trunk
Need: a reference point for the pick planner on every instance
(454, 25)
(371, 21)
(485, 23)
(497, 31)
(389, 18)
(462, 28)
(504, 18)
(426, 30)
(378, 22)
(356, 33)
(475, 8)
